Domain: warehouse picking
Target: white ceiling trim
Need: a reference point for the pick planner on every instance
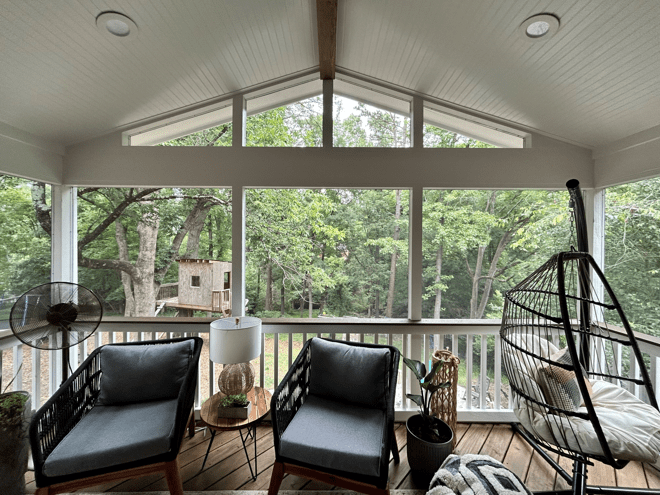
(25, 137)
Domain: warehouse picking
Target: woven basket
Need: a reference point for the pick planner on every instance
(443, 402)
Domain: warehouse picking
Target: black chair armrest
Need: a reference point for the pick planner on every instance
(62, 412)
(290, 394)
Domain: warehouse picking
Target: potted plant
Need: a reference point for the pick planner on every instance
(235, 406)
(429, 438)
(14, 446)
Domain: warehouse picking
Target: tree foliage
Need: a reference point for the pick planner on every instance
(338, 252)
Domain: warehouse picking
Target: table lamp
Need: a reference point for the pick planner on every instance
(234, 342)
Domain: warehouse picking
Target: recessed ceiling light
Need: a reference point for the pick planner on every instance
(539, 27)
(115, 25)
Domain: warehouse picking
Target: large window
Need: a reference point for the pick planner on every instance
(143, 249)
(632, 251)
(361, 125)
(331, 252)
(25, 241)
(478, 244)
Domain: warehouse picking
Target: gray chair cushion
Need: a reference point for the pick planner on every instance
(111, 435)
(359, 375)
(139, 373)
(335, 435)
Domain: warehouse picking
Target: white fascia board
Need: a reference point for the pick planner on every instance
(280, 97)
(372, 95)
(181, 125)
(472, 127)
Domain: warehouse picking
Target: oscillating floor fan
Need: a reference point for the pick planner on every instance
(56, 315)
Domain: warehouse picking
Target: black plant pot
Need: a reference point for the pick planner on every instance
(425, 457)
(14, 449)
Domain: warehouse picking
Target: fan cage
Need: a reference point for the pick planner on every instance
(55, 315)
(567, 303)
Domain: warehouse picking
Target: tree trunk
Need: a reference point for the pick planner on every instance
(42, 210)
(195, 224)
(309, 288)
(395, 255)
(210, 234)
(268, 303)
(143, 285)
(438, 278)
(126, 281)
(476, 274)
(282, 294)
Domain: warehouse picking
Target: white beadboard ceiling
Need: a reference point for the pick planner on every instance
(596, 81)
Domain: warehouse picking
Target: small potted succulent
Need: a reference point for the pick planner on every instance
(14, 446)
(429, 438)
(235, 406)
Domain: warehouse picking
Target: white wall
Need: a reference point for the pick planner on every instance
(25, 155)
(105, 162)
(634, 158)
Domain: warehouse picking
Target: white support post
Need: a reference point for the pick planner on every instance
(239, 116)
(64, 253)
(328, 96)
(238, 251)
(597, 204)
(415, 255)
(64, 257)
(417, 122)
(36, 378)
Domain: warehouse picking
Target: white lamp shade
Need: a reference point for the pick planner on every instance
(232, 343)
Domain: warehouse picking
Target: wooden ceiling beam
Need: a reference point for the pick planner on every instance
(326, 21)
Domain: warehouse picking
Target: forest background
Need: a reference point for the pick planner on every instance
(329, 252)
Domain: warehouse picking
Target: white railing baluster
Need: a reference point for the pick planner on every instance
(497, 367)
(483, 373)
(404, 370)
(35, 355)
(211, 377)
(468, 371)
(634, 373)
(276, 358)
(262, 362)
(290, 349)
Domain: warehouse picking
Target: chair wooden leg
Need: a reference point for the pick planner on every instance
(173, 477)
(395, 449)
(276, 478)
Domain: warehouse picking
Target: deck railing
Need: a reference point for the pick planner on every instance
(483, 390)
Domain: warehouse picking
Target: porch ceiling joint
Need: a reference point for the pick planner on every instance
(326, 20)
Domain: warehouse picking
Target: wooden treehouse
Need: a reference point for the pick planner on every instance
(204, 285)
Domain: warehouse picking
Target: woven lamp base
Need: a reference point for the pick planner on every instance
(236, 379)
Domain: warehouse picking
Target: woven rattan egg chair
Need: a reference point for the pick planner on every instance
(575, 369)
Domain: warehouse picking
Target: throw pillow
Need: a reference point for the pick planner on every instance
(139, 373)
(560, 386)
(349, 373)
(475, 474)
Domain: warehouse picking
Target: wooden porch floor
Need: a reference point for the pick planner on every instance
(227, 469)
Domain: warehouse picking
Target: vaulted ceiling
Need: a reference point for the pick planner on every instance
(594, 82)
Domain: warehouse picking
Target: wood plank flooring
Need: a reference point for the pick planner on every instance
(227, 469)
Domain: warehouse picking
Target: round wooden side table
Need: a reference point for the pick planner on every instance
(260, 399)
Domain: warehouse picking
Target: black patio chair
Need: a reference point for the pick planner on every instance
(122, 414)
(333, 415)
